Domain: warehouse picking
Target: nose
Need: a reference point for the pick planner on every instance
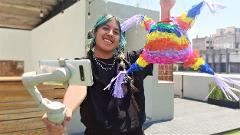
(110, 32)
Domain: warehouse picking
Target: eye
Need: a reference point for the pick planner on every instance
(116, 32)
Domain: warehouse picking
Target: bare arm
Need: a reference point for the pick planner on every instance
(74, 96)
(166, 6)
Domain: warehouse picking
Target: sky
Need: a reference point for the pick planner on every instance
(206, 23)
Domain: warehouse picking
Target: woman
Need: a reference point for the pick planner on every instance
(101, 113)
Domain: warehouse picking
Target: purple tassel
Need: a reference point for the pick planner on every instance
(117, 91)
(136, 19)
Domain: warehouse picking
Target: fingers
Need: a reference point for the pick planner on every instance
(53, 129)
(68, 117)
(45, 120)
(57, 129)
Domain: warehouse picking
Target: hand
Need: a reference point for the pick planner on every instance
(57, 129)
(167, 4)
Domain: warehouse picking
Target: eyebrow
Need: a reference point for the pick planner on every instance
(114, 28)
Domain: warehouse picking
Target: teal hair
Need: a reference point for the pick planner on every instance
(100, 22)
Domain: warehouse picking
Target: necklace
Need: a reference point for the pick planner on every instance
(103, 65)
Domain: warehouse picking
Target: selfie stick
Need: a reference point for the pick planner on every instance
(56, 111)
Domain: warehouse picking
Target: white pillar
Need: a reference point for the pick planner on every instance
(159, 97)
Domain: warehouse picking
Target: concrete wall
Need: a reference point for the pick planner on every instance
(159, 98)
(233, 58)
(62, 36)
(199, 43)
(226, 41)
(178, 85)
(223, 38)
(194, 85)
(15, 45)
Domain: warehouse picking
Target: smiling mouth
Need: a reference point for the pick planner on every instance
(108, 41)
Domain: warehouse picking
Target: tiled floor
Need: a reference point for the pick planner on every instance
(193, 117)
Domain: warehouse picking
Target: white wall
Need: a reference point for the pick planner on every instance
(63, 36)
(159, 96)
(15, 45)
(177, 79)
(195, 85)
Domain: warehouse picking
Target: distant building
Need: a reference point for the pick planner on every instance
(227, 38)
(200, 43)
(222, 39)
(221, 50)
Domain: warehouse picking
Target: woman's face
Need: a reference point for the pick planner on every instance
(107, 37)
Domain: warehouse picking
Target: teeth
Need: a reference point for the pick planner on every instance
(108, 41)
